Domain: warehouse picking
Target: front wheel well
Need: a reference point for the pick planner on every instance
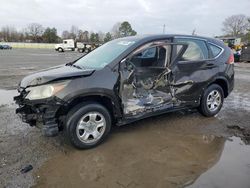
(103, 100)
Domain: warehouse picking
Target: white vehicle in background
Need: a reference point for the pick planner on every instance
(72, 45)
(84, 47)
(68, 44)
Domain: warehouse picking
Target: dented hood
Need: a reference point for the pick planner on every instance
(54, 73)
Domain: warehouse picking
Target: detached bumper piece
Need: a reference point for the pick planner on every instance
(40, 111)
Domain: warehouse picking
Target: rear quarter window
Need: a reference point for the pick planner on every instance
(196, 51)
(215, 50)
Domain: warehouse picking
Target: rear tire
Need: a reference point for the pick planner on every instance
(87, 125)
(211, 101)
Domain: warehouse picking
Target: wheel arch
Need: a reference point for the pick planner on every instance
(112, 106)
(223, 83)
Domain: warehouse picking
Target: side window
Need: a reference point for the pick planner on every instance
(65, 42)
(215, 50)
(197, 50)
(149, 53)
(151, 57)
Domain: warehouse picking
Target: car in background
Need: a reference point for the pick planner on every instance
(5, 47)
(126, 80)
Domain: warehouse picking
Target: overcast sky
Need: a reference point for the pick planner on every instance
(146, 16)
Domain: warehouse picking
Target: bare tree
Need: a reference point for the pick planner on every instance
(35, 31)
(80, 35)
(9, 34)
(101, 36)
(74, 32)
(115, 30)
(86, 36)
(235, 25)
(65, 34)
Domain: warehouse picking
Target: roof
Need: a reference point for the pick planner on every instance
(147, 38)
(155, 36)
(227, 38)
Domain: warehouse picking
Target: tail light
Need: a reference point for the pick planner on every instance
(231, 59)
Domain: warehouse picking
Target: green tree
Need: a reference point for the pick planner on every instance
(94, 37)
(108, 37)
(126, 30)
(50, 35)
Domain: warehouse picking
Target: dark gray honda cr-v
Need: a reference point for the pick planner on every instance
(126, 80)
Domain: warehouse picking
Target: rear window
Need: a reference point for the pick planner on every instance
(196, 50)
(215, 50)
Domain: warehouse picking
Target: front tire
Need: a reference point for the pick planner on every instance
(60, 50)
(211, 101)
(87, 125)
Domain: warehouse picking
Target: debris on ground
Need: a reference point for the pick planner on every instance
(26, 169)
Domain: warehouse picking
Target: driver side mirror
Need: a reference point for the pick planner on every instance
(138, 55)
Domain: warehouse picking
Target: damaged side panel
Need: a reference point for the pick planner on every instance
(140, 94)
(145, 89)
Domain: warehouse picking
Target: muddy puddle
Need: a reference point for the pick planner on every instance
(232, 169)
(153, 160)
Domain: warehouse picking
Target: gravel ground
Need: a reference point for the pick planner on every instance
(173, 150)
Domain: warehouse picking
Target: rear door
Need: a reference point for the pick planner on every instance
(192, 70)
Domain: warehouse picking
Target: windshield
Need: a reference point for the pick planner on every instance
(105, 54)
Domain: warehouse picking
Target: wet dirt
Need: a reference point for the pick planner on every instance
(173, 150)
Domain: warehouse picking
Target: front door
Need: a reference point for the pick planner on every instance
(144, 83)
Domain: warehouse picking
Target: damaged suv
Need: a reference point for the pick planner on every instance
(126, 80)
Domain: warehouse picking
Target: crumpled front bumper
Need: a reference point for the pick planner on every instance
(40, 111)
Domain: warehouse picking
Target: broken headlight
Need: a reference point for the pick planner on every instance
(44, 91)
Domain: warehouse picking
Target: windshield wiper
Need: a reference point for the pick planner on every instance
(76, 66)
(69, 64)
(73, 65)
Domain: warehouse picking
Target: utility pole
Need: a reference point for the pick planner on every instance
(164, 28)
(193, 33)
